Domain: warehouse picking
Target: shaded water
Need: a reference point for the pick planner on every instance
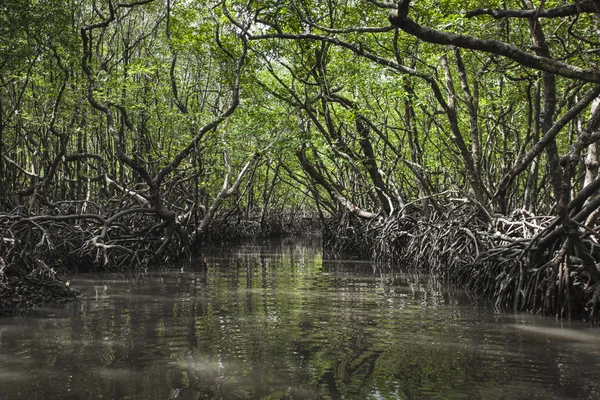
(278, 321)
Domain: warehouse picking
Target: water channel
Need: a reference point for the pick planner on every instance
(277, 320)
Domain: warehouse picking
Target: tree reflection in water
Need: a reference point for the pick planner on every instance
(277, 321)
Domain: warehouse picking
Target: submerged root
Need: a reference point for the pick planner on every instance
(506, 259)
(346, 234)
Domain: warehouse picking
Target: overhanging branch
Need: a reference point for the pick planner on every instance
(579, 7)
(398, 19)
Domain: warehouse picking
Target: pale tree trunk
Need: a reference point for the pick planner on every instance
(457, 137)
(531, 195)
(591, 160)
(591, 168)
(227, 190)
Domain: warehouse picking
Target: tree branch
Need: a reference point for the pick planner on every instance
(580, 7)
(551, 134)
(494, 47)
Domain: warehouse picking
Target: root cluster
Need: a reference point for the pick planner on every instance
(518, 261)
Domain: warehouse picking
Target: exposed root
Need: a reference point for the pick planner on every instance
(347, 234)
(511, 260)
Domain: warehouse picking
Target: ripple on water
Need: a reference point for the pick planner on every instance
(283, 323)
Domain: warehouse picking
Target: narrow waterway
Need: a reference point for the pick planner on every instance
(277, 321)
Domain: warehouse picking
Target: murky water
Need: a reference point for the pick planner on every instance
(279, 322)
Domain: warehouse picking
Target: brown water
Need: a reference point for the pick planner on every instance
(279, 322)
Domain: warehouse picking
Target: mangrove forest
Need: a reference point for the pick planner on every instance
(455, 139)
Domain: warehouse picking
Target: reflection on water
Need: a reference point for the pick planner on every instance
(278, 322)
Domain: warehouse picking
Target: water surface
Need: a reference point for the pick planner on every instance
(276, 321)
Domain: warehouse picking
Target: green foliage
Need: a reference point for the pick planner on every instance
(165, 72)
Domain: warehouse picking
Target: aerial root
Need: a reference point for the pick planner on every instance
(501, 258)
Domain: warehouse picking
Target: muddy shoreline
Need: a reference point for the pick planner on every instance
(20, 294)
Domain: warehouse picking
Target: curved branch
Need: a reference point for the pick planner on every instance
(494, 47)
(360, 29)
(333, 192)
(235, 101)
(550, 135)
(581, 7)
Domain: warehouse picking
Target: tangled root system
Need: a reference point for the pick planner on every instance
(519, 261)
